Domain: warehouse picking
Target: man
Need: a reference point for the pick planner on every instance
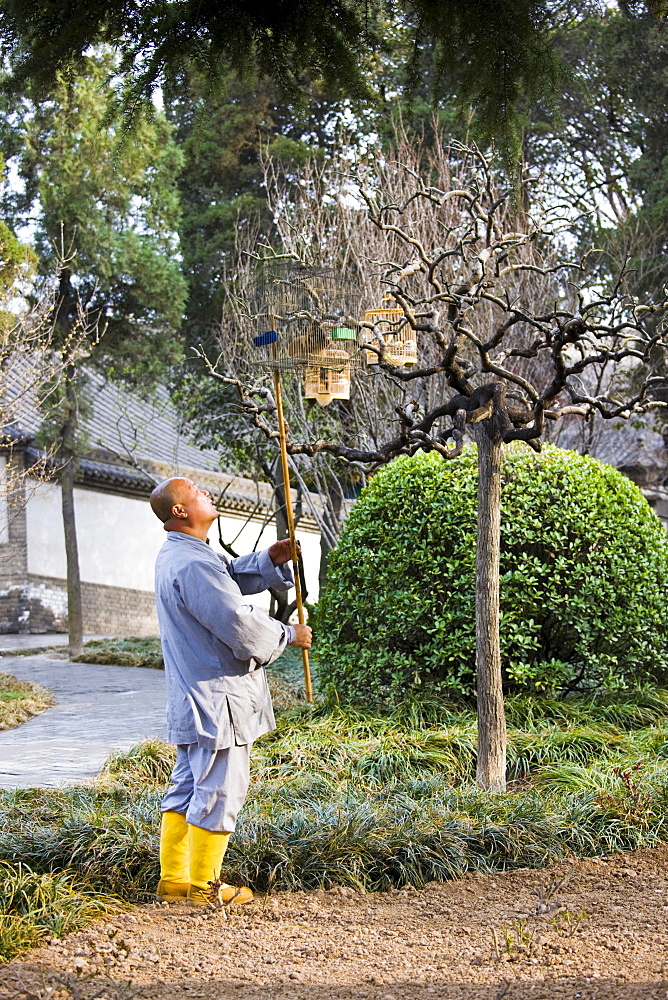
(215, 646)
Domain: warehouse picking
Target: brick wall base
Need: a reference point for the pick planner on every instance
(110, 610)
(15, 609)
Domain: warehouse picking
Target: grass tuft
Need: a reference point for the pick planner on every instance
(148, 763)
(131, 652)
(20, 701)
(35, 905)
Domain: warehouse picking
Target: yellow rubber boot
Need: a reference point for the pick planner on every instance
(174, 859)
(207, 850)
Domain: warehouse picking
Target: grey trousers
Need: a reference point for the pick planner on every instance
(209, 786)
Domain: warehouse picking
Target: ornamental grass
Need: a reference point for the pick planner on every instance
(20, 701)
(37, 905)
(348, 798)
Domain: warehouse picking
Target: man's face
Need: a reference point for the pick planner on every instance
(197, 503)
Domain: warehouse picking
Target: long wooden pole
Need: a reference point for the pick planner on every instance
(291, 521)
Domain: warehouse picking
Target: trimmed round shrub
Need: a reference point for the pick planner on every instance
(584, 581)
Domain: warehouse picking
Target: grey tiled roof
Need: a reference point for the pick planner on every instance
(638, 448)
(105, 475)
(132, 443)
(122, 427)
(148, 428)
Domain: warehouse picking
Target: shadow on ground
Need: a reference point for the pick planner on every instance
(31, 984)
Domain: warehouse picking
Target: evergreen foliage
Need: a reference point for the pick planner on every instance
(223, 140)
(104, 218)
(607, 145)
(584, 581)
(488, 54)
(108, 216)
(16, 261)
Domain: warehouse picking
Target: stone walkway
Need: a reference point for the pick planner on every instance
(37, 640)
(98, 709)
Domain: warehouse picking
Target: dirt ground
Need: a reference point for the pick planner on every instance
(585, 929)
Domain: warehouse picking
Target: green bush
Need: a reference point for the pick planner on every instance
(584, 581)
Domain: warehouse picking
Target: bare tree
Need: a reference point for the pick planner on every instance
(512, 336)
(32, 374)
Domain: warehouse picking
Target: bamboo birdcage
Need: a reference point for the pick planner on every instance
(301, 307)
(329, 371)
(389, 321)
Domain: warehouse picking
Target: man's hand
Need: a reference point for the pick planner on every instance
(280, 552)
(303, 636)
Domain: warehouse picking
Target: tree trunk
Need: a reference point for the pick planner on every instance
(74, 600)
(491, 769)
(332, 517)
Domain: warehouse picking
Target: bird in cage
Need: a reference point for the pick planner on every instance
(327, 377)
(398, 337)
(316, 337)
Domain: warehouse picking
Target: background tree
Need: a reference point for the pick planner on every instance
(111, 213)
(30, 367)
(17, 265)
(511, 335)
(225, 140)
(603, 158)
(604, 154)
(223, 132)
(306, 213)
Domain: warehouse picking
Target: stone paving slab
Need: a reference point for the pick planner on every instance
(98, 709)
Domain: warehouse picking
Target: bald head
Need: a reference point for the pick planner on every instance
(183, 506)
(169, 493)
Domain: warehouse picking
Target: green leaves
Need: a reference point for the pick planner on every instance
(107, 211)
(495, 57)
(584, 581)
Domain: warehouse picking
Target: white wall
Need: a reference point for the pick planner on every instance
(245, 542)
(4, 502)
(119, 538)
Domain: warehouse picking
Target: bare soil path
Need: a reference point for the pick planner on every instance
(582, 930)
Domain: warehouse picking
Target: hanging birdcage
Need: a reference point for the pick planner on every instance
(295, 316)
(301, 309)
(398, 336)
(328, 372)
(296, 311)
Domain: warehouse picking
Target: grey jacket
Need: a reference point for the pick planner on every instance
(215, 643)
